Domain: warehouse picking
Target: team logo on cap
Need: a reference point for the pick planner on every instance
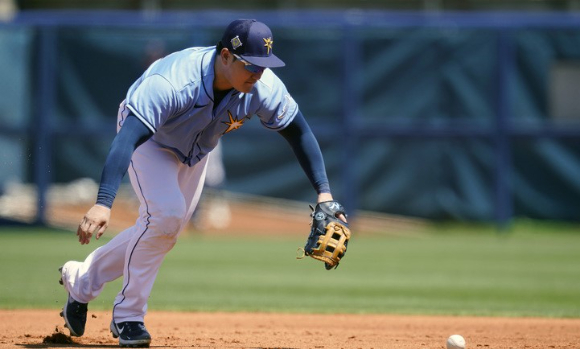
(268, 43)
(236, 42)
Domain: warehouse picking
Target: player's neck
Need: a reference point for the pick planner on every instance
(221, 85)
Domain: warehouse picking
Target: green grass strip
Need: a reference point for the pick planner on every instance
(449, 270)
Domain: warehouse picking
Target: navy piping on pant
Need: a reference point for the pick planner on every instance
(133, 250)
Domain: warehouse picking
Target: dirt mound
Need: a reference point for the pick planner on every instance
(57, 338)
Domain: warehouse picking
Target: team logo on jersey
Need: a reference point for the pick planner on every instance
(268, 43)
(236, 42)
(234, 123)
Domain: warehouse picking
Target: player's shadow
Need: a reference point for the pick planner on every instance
(72, 345)
(78, 345)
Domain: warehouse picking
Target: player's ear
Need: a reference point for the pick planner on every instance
(225, 56)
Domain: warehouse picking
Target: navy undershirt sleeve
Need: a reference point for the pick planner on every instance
(307, 150)
(130, 136)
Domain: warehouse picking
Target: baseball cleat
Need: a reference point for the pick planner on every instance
(131, 334)
(74, 314)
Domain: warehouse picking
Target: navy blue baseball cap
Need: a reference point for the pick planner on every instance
(251, 40)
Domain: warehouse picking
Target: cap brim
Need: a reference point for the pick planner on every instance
(270, 61)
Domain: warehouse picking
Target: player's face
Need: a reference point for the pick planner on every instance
(242, 75)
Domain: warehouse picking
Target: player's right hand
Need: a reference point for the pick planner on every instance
(96, 220)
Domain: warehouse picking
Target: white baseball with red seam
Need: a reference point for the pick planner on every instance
(455, 342)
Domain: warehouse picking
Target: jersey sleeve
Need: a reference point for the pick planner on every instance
(278, 108)
(153, 101)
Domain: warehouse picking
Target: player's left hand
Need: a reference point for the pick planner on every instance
(323, 197)
(329, 234)
(96, 220)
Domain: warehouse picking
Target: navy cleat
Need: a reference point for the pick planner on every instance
(131, 334)
(74, 314)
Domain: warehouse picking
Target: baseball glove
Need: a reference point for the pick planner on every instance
(329, 235)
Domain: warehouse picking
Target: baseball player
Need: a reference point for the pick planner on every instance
(168, 124)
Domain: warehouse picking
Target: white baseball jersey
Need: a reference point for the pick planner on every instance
(174, 98)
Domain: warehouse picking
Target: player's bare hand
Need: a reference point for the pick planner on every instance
(95, 222)
(328, 197)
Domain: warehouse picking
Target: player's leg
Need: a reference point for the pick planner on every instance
(155, 174)
(85, 280)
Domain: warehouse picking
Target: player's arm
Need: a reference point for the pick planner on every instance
(130, 136)
(306, 148)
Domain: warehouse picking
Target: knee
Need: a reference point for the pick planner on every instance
(168, 219)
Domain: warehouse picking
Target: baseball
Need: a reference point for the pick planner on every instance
(455, 342)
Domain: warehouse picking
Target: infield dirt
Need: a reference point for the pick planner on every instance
(29, 328)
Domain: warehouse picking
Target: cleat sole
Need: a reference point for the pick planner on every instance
(143, 345)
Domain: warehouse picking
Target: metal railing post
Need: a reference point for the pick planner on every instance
(351, 101)
(43, 110)
(503, 165)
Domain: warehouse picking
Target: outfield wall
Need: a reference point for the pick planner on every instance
(470, 116)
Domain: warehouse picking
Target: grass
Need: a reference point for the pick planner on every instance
(452, 269)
